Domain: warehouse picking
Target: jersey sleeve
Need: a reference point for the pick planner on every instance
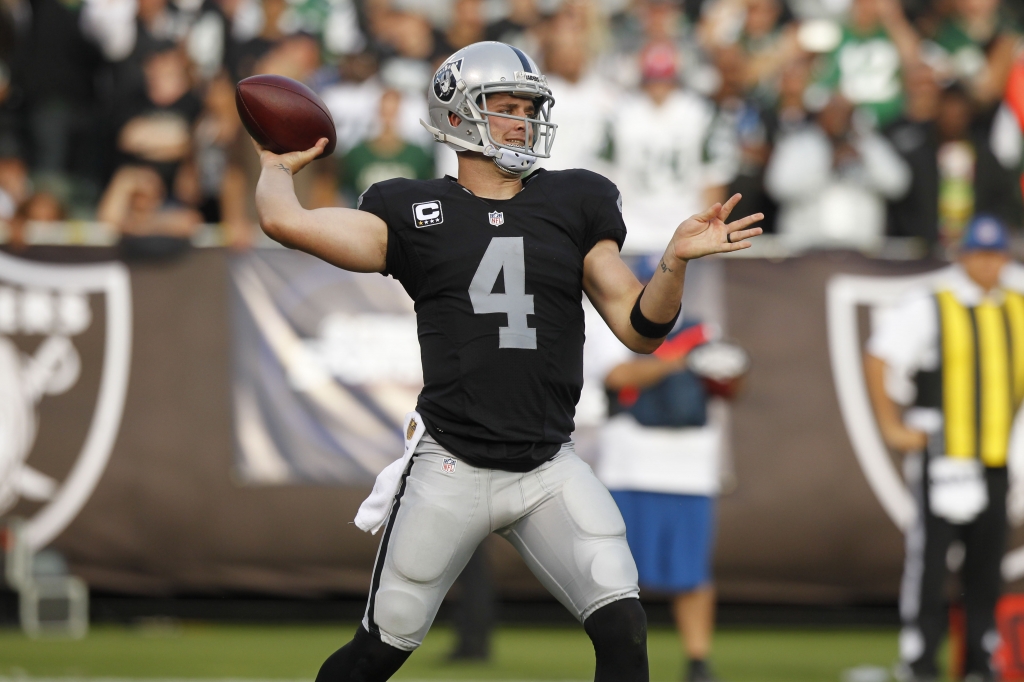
(400, 261)
(602, 209)
(372, 201)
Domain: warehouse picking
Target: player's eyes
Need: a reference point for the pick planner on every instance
(511, 109)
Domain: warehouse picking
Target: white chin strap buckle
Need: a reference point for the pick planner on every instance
(510, 161)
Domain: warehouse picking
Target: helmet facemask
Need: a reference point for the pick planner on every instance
(540, 131)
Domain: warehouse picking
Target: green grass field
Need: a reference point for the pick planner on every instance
(521, 653)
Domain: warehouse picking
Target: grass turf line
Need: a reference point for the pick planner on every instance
(201, 651)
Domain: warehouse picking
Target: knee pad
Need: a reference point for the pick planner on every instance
(610, 563)
(364, 659)
(400, 613)
(619, 633)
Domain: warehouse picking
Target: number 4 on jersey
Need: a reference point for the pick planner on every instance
(505, 253)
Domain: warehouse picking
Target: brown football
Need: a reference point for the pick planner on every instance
(284, 115)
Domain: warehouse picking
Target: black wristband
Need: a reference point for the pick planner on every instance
(646, 328)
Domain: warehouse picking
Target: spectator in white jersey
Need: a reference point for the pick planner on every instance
(658, 147)
(584, 102)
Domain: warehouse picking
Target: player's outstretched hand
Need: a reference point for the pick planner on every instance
(707, 232)
(292, 162)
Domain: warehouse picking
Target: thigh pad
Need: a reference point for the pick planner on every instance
(574, 538)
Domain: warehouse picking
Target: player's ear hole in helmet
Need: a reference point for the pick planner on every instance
(461, 87)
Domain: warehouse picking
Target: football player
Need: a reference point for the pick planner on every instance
(497, 263)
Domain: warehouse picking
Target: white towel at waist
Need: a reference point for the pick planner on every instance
(374, 510)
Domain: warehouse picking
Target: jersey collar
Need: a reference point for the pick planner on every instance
(526, 181)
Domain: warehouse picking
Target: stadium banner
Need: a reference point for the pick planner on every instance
(212, 423)
(326, 364)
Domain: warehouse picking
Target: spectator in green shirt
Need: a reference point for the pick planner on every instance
(866, 67)
(385, 156)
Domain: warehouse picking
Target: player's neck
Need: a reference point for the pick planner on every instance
(479, 175)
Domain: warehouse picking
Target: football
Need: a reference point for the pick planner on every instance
(284, 115)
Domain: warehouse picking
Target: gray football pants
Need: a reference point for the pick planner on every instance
(559, 517)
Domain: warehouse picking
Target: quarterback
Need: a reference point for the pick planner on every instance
(497, 263)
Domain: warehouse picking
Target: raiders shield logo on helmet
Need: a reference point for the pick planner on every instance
(444, 81)
(46, 311)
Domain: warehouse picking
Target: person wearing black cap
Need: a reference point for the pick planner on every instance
(954, 356)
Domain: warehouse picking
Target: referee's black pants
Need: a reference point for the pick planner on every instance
(923, 605)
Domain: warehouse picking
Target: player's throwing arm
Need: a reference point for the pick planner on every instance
(290, 127)
(350, 239)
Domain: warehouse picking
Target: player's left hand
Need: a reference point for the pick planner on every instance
(707, 233)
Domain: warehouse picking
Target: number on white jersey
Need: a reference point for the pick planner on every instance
(870, 71)
(505, 253)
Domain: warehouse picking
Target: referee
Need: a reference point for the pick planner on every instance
(954, 356)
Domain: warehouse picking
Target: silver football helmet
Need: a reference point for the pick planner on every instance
(461, 87)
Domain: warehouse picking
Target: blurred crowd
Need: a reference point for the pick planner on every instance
(844, 121)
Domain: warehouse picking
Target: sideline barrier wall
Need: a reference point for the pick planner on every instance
(175, 508)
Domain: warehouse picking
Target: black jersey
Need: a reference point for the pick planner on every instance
(498, 287)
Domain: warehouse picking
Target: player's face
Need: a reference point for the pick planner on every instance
(510, 131)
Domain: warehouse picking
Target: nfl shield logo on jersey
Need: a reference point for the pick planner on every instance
(448, 464)
(497, 218)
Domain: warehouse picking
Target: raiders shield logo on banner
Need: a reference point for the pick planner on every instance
(846, 294)
(45, 310)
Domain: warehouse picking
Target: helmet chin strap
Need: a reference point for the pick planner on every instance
(450, 139)
(513, 163)
(506, 171)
